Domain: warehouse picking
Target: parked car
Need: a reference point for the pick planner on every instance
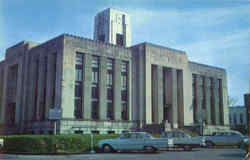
(183, 140)
(134, 141)
(226, 138)
(245, 145)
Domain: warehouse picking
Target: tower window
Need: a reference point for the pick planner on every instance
(119, 39)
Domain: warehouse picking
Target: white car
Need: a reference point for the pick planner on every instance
(134, 141)
(183, 140)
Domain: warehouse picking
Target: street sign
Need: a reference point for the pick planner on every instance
(55, 113)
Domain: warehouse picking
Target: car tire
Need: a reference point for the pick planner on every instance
(209, 144)
(107, 148)
(187, 148)
(150, 149)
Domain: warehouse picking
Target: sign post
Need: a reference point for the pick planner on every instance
(54, 115)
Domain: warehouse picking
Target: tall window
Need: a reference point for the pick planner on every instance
(221, 101)
(194, 98)
(203, 93)
(95, 87)
(78, 112)
(124, 86)
(110, 106)
(54, 78)
(119, 39)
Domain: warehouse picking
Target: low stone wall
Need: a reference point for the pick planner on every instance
(103, 127)
(209, 129)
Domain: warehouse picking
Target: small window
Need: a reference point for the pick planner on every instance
(111, 132)
(95, 132)
(78, 132)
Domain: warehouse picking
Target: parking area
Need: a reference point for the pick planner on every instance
(197, 154)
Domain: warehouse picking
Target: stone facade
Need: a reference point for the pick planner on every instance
(107, 88)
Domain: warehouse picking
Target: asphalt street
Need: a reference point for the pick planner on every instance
(198, 154)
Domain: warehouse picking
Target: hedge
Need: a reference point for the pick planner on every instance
(70, 143)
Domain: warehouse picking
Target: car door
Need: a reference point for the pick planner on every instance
(134, 141)
(126, 141)
(235, 138)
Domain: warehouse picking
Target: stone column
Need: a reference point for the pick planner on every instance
(208, 100)
(103, 89)
(117, 90)
(40, 86)
(180, 97)
(172, 78)
(157, 89)
(199, 97)
(87, 88)
(50, 82)
(216, 102)
(160, 93)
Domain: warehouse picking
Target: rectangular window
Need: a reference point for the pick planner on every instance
(124, 66)
(110, 111)
(79, 73)
(110, 94)
(124, 81)
(119, 39)
(124, 95)
(95, 62)
(95, 92)
(78, 108)
(124, 111)
(110, 64)
(124, 86)
(78, 89)
(95, 110)
(109, 79)
(79, 58)
(78, 111)
(95, 76)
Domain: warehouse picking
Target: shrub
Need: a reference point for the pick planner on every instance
(70, 143)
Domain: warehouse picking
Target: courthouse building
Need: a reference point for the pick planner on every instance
(106, 85)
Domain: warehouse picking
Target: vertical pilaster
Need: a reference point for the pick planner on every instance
(208, 100)
(199, 96)
(40, 87)
(130, 90)
(4, 98)
(50, 101)
(117, 90)
(174, 97)
(157, 88)
(216, 102)
(180, 97)
(103, 88)
(160, 93)
(87, 86)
